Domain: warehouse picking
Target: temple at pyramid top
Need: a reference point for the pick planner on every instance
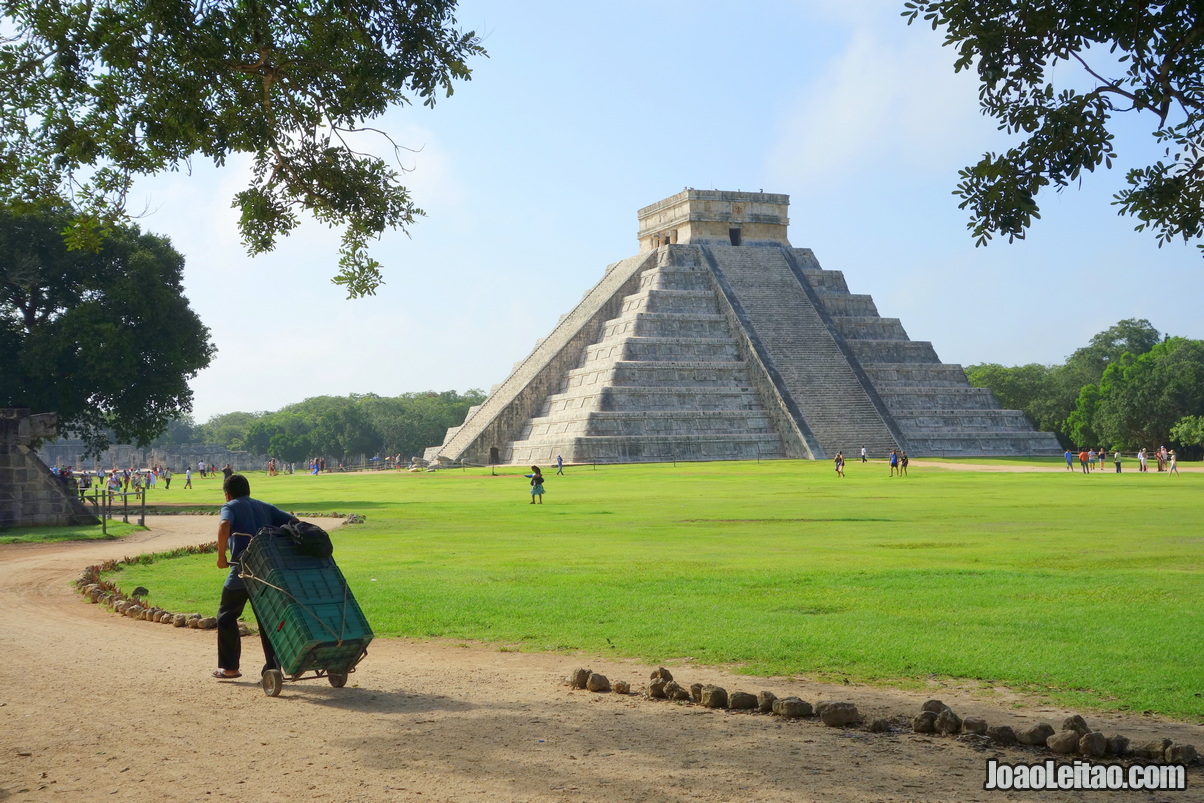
(719, 340)
(715, 217)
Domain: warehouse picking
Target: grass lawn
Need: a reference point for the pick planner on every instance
(38, 535)
(1085, 589)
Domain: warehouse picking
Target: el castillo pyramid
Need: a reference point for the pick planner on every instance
(720, 341)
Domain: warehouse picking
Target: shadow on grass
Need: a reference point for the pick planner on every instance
(773, 521)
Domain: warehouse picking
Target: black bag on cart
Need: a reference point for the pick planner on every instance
(310, 539)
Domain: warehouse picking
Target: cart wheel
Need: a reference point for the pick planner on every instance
(337, 679)
(272, 682)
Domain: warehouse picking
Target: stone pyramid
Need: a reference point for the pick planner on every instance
(720, 341)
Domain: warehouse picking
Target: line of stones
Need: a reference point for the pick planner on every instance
(1075, 737)
(662, 686)
(104, 592)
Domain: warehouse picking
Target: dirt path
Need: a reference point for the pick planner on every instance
(94, 706)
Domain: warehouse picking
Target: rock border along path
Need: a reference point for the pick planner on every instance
(95, 705)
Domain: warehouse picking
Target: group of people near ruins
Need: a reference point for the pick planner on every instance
(1090, 459)
(129, 480)
(898, 461)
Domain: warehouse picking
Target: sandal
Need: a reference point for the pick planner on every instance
(224, 674)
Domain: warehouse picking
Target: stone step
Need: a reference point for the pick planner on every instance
(660, 324)
(867, 327)
(660, 374)
(645, 422)
(672, 301)
(676, 278)
(826, 282)
(1001, 444)
(681, 398)
(904, 399)
(895, 375)
(849, 304)
(878, 351)
(701, 349)
(920, 423)
(653, 448)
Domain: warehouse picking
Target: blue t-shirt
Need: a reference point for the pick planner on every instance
(246, 516)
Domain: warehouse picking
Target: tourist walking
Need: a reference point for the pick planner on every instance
(863, 455)
(559, 464)
(1069, 460)
(1091, 458)
(536, 485)
(167, 479)
(839, 461)
(903, 464)
(894, 461)
(1172, 465)
(1116, 460)
(1142, 460)
(1083, 460)
(188, 477)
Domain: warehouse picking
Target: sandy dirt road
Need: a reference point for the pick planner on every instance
(94, 706)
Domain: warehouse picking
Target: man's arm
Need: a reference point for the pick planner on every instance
(223, 538)
(282, 517)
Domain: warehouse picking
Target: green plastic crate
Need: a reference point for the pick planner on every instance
(303, 603)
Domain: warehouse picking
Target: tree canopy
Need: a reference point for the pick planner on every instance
(1139, 58)
(342, 426)
(104, 338)
(1129, 387)
(94, 95)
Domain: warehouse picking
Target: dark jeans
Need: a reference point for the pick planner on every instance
(229, 643)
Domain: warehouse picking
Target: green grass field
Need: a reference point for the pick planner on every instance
(41, 535)
(1083, 589)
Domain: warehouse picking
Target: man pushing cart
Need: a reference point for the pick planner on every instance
(308, 619)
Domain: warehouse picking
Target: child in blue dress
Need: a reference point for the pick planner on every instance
(536, 485)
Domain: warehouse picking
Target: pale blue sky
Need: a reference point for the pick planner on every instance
(531, 175)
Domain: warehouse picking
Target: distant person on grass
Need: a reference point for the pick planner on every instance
(1083, 460)
(863, 455)
(536, 485)
(1069, 460)
(903, 464)
(839, 464)
(894, 461)
(1172, 463)
(1116, 460)
(242, 517)
(559, 464)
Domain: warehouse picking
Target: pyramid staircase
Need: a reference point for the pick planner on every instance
(665, 380)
